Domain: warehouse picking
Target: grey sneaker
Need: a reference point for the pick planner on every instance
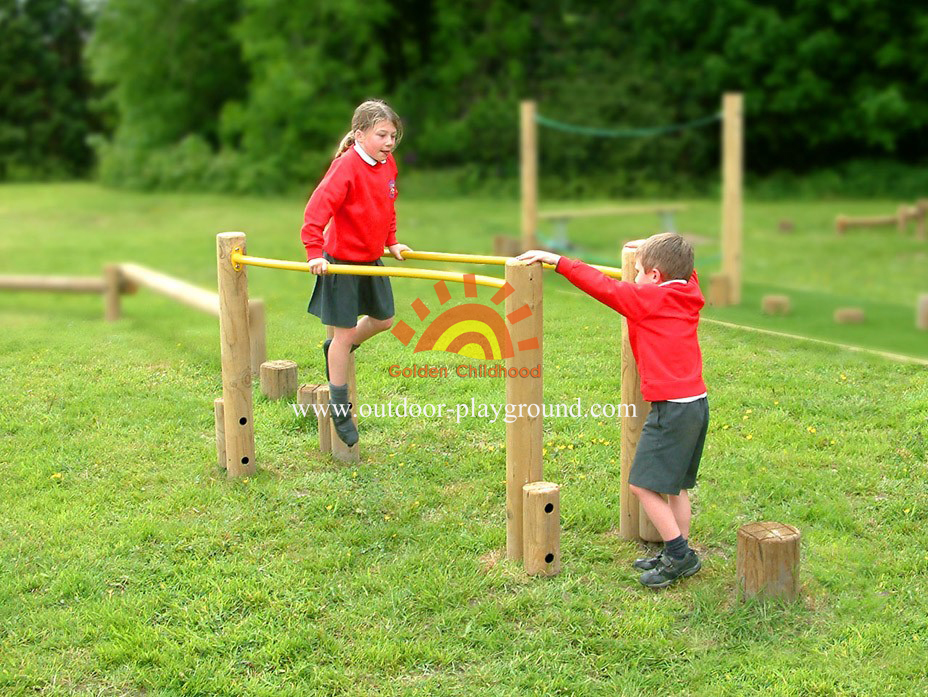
(648, 563)
(669, 570)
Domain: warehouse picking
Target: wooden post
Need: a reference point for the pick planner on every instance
(113, 282)
(902, 217)
(631, 515)
(719, 290)
(541, 528)
(840, 224)
(775, 305)
(258, 333)
(732, 173)
(235, 346)
(523, 394)
(279, 379)
(323, 419)
(528, 172)
(921, 312)
(219, 416)
(921, 208)
(768, 560)
(850, 315)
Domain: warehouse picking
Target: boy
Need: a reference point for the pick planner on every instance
(662, 309)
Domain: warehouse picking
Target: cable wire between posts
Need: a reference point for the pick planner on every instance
(626, 132)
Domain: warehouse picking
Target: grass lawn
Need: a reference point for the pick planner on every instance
(131, 566)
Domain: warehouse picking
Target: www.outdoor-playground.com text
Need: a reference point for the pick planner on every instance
(473, 410)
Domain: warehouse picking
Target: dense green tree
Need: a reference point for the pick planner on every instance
(44, 91)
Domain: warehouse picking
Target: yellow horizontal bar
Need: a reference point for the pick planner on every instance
(610, 271)
(238, 258)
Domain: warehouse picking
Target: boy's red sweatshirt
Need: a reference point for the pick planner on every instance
(662, 323)
(358, 198)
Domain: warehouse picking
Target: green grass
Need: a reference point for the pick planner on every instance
(130, 565)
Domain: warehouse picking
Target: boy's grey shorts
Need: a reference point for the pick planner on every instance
(670, 448)
(338, 299)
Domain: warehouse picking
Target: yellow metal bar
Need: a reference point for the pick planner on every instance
(239, 259)
(482, 259)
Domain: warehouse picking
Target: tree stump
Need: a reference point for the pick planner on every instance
(775, 305)
(279, 379)
(849, 315)
(541, 528)
(768, 560)
(505, 246)
(719, 290)
(921, 312)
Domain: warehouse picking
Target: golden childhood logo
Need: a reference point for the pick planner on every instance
(472, 330)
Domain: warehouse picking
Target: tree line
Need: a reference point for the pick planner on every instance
(253, 95)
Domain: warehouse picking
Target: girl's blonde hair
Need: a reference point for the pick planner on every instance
(366, 116)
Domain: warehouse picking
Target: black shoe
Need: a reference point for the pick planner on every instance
(648, 563)
(669, 570)
(325, 352)
(344, 424)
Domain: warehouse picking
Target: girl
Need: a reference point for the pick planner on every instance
(357, 194)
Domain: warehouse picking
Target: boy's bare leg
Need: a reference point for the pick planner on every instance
(680, 506)
(659, 511)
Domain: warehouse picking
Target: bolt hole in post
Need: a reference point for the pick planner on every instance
(549, 558)
(244, 460)
(243, 420)
(549, 507)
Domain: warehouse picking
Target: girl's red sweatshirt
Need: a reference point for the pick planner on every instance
(662, 323)
(358, 198)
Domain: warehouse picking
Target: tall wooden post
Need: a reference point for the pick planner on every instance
(235, 345)
(256, 322)
(732, 175)
(528, 173)
(524, 394)
(631, 519)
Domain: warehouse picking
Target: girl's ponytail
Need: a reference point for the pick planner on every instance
(346, 143)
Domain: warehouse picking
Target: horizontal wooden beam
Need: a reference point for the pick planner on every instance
(58, 284)
(181, 291)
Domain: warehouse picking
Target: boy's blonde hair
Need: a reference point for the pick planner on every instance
(366, 116)
(669, 253)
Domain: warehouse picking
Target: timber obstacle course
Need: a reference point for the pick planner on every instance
(725, 287)
(522, 292)
(900, 219)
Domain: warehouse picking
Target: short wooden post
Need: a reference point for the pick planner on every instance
(921, 209)
(767, 565)
(921, 312)
(775, 305)
(523, 394)
(632, 423)
(323, 419)
(528, 172)
(235, 346)
(279, 379)
(732, 174)
(219, 417)
(850, 315)
(541, 528)
(719, 290)
(902, 217)
(258, 334)
(112, 280)
(339, 450)
(841, 224)
(505, 246)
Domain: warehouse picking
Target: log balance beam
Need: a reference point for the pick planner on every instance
(522, 290)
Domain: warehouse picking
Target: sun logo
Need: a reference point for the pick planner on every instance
(472, 330)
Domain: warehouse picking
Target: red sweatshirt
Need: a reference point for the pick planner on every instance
(358, 198)
(662, 322)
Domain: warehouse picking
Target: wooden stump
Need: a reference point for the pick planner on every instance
(279, 379)
(719, 290)
(504, 246)
(841, 224)
(321, 396)
(849, 315)
(921, 312)
(219, 415)
(768, 561)
(775, 305)
(541, 528)
(786, 226)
